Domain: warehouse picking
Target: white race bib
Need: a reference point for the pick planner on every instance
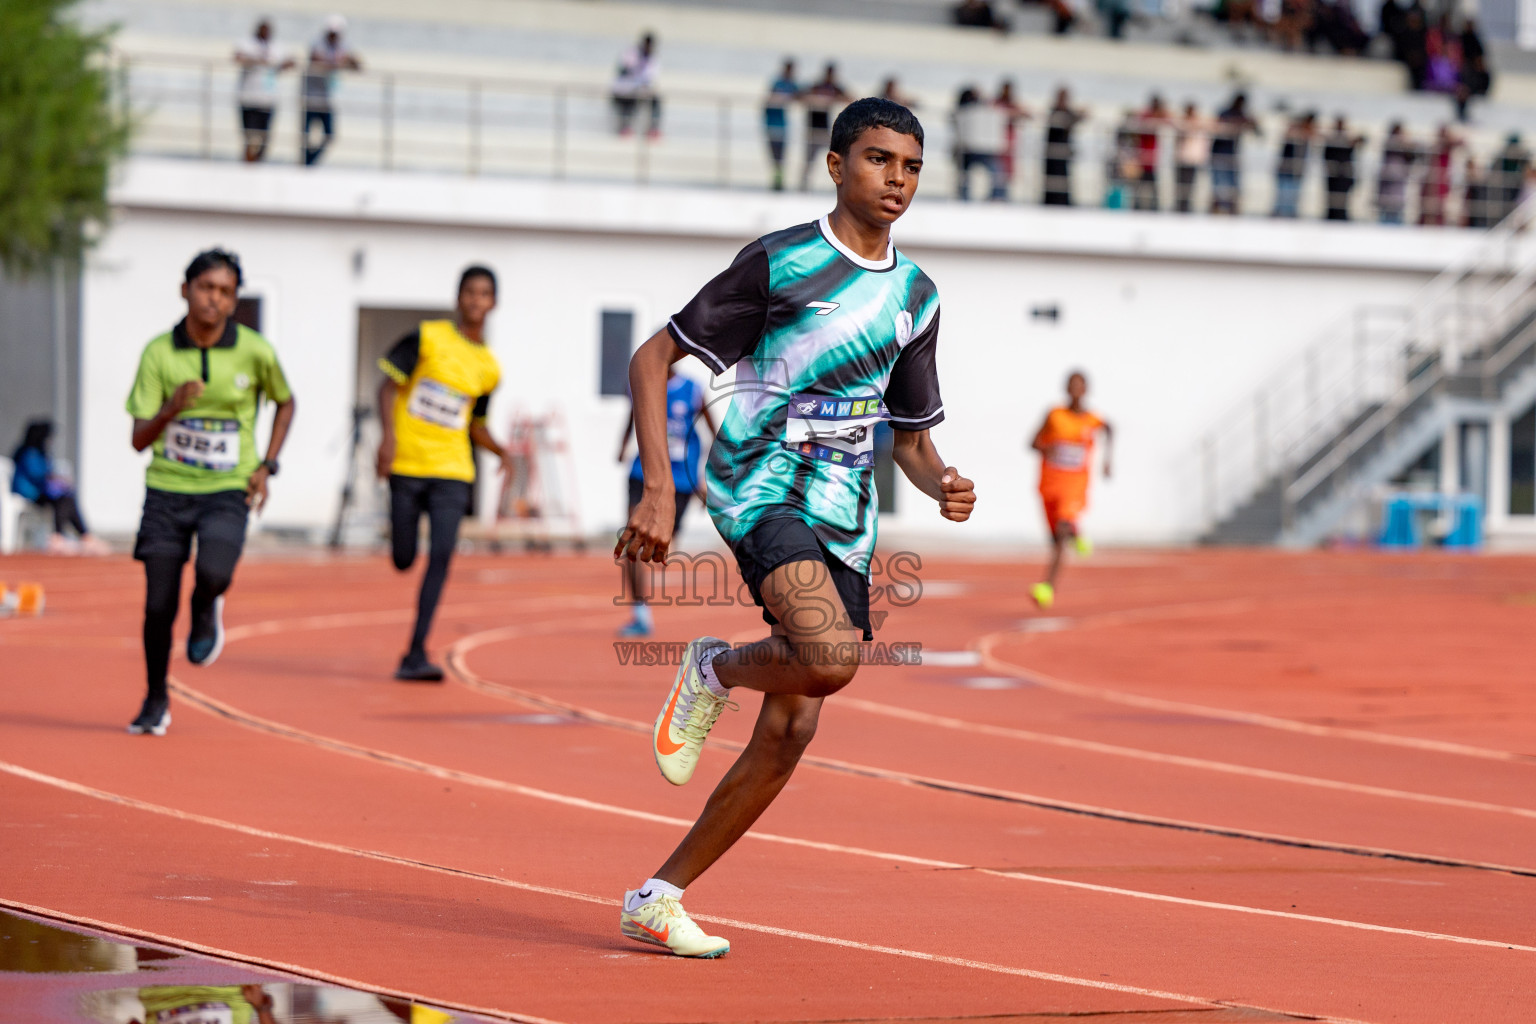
(836, 430)
(1068, 455)
(204, 443)
(197, 1013)
(439, 404)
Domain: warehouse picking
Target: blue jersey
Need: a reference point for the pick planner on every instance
(685, 400)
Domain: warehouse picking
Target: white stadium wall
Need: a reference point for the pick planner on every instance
(1173, 319)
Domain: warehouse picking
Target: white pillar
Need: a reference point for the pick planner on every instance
(1498, 471)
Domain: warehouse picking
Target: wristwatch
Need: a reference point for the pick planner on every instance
(270, 465)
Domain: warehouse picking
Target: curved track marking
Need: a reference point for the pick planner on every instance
(987, 643)
(461, 672)
(1180, 760)
(213, 706)
(299, 973)
(544, 890)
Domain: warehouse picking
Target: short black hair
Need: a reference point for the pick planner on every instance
(860, 116)
(211, 258)
(472, 272)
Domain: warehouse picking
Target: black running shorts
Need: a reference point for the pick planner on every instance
(171, 520)
(784, 539)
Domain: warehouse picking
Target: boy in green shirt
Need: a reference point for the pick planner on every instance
(194, 401)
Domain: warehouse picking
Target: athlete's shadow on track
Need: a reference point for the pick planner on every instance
(71, 724)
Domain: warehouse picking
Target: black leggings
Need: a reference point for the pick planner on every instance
(66, 513)
(214, 571)
(445, 502)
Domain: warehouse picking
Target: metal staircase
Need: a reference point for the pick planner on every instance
(1305, 452)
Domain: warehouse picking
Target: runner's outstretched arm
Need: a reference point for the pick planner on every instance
(1109, 447)
(256, 487)
(1039, 443)
(919, 460)
(481, 435)
(386, 457)
(147, 432)
(649, 532)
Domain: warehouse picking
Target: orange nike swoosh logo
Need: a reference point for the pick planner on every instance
(660, 936)
(664, 744)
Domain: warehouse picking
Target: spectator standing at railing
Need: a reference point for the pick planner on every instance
(1339, 149)
(1014, 112)
(1435, 189)
(1291, 168)
(635, 83)
(819, 101)
(327, 57)
(260, 62)
(782, 91)
(1059, 125)
(1226, 154)
(1149, 125)
(1398, 155)
(891, 90)
(1509, 167)
(1192, 152)
(978, 14)
(1477, 202)
(981, 134)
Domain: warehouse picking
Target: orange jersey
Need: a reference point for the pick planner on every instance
(1068, 438)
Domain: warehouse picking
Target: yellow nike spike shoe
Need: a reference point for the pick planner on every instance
(1084, 546)
(688, 715)
(1044, 595)
(664, 922)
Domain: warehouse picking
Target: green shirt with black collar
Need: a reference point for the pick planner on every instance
(210, 446)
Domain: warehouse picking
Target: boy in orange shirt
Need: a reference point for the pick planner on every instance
(1065, 443)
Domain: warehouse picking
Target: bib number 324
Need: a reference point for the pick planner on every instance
(204, 444)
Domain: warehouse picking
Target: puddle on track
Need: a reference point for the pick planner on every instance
(55, 975)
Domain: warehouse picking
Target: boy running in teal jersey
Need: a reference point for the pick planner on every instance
(831, 330)
(194, 401)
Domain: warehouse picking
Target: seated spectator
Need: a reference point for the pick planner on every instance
(1295, 24)
(1334, 23)
(1476, 79)
(981, 135)
(1398, 155)
(979, 14)
(1442, 46)
(35, 479)
(1115, 14)
(1413, 44)
(635, 83)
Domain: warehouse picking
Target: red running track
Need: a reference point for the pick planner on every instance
(1209, 787)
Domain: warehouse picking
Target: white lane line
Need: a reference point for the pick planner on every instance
(469, 678)
(298, 973)
(212, 705)
(387, 858)
(988, 643)
(390, 616)
(1206, 764)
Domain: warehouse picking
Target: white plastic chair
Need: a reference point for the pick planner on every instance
(11, 507)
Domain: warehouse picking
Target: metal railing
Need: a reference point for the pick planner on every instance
(1323, 406)
(504, 126)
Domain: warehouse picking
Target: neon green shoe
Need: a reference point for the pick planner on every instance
(688, 715)
(664, 922)
(1084, 546)
(1044, 595)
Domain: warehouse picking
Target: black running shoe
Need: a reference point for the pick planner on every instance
(415, 668)
(154, 717)
(206, 641)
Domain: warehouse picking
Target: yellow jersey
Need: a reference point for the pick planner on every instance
(445, 383)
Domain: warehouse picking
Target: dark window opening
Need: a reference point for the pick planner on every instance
(616, 338)
(1522, 465)
(248, 312)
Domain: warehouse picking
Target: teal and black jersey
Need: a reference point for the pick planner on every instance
(826, 345)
